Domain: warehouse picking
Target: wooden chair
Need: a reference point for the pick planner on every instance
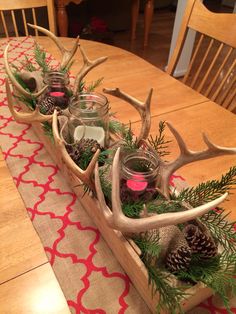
(148, 14)
(211, 70)
(15, 14)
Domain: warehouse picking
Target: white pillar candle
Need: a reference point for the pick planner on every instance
(92, 132)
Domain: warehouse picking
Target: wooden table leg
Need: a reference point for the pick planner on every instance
(62, 18)
(148, 14)
(134, 17)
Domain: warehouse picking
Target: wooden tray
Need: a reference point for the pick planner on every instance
(123, 249)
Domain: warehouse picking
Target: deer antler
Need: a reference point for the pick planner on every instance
(67, 55)
(119, 221)
(86, 176)
(34, 116)
(187, 156)
(87, 66)
(14, 81)
(143, 109)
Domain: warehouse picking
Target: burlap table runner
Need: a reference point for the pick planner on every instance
(89, 275)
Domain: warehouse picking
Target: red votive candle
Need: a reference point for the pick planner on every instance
(57, 94)
(139, 172)
(137, 183)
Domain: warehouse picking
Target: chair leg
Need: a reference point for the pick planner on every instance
(148, 14)
(134, 17)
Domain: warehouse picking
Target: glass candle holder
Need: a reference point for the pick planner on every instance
(139, 171)
(57, 90)
(93, 110)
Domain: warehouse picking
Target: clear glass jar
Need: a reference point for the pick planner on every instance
(139, 171)
(57, 90)
(93, 110)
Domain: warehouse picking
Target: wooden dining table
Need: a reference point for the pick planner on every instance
(27, 280)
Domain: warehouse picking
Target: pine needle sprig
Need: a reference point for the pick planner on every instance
(160, 281)
(210, 190)
(40, 58)
(28, 65)
(218, 273)
(20, 81)
(149, 244)
(29, 102)
(47, 127)
(116, 127)
(67, 68)
(169, 296)
(94, 85)
(221, 228)
(130, 142)
(159, 143)
(132, 210)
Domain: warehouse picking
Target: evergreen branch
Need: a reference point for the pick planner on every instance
(94, 85)
(67, 68)
(29, 102)
(40, 58)
(81, 87)
(210, 190)
(116, 127)
(47, 127)
(159, 143)
(169, 296)
(21, 81)
(218, 274)
(222, 229)
(28, 65)
(130, 142)
(149, 244)
(132, 209)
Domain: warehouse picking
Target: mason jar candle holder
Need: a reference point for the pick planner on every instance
(93, 110)
(139, 171)
(57, 90)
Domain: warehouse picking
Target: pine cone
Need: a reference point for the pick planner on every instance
(77, 149)
(88, 144)
(178, 259)
(200, 242)
(47, 105)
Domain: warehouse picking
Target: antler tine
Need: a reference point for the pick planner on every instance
(143, 109)
(84, 175)
(125, 224)
(67, 55)
(35, 116)
(87, 66)
(14, 81)
(187, 156)
(100, 196)
(220, 149)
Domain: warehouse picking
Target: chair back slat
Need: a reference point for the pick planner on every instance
(35, 21)
(192, 61)
(203, 60)
(4, 24)
(225, 77)
(14, 22)
(16, 14)
(222, 65)
(230, 103)
(225, 96)
(212, 65)
(25, 22)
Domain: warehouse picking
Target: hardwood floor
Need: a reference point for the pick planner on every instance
(158, 47)
(157, 51)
